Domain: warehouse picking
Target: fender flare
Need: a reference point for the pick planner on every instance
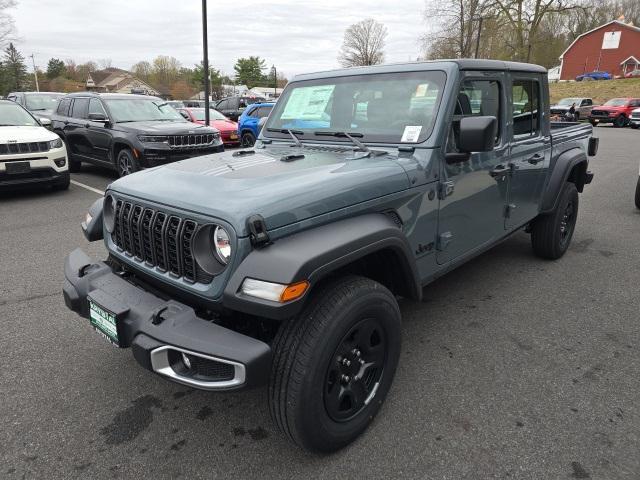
(560, 174)
(112, 147)
(315, 253)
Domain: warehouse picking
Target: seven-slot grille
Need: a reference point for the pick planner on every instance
(159, 239)
(31, 147)
(190, 141)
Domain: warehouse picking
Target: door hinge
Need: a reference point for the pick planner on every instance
(508, 209)
(444, 239)
(445, 189)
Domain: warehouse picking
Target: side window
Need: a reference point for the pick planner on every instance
(63, 107)
(12, 98)
(95, 106)
(475, 98)
(223, 105)
(80, 107)
(586, 103)
(526, 108)
(263, 111)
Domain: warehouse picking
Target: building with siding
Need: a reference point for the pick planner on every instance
(613, 47)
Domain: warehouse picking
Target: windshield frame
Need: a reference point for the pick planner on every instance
(212, 113)
(308, 133)
(567, 102)
(108, 103)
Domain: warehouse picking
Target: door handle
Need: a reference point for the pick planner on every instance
(537, 158)
(498, 171)
(66, 122)
(86, 125)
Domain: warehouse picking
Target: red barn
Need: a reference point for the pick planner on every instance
(613, 47)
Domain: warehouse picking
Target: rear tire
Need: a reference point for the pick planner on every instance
(334, 364)
(551, 234)
(634, 126)
(638, 193)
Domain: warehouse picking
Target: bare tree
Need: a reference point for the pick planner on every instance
(105, 62)
(7, 26)
(363, 44)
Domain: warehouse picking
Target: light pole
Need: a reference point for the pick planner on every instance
(205, 62)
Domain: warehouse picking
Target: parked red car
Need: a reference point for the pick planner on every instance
(616, 111)
(633, 73)
(228, 129)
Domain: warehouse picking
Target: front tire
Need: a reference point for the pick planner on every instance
(126, 164)
(334, 364)
(638, 193)
(620, 121)
(551, 234)
(248, 139)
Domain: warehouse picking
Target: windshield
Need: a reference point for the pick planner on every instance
(14, 115)
(616, 102)
(198, 114)
(388, 107)
(246, 101)
(42, 101)
(141, 109)
(569, 101)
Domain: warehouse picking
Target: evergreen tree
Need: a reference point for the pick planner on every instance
(14, 69)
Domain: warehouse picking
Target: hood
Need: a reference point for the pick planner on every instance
(23, 134)
(561, 107)
(233, 187)
(155, 127)
(41, 113)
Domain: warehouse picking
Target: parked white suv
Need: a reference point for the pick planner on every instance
(634, 120)
(29, 153)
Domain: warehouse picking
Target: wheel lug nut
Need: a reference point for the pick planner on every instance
(346, 362)
(345, 378)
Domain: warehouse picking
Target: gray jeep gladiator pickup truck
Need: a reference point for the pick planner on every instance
(281, 265)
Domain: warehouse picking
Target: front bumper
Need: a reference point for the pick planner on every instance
(159, 331)
(153, 157)
(35, 176)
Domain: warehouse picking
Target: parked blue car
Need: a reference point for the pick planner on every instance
(248, 129)
(594, 76)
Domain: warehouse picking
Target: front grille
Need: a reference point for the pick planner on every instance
(158, 239)
(191, 141)
(31, 147)
(635, 115)
(599, 113)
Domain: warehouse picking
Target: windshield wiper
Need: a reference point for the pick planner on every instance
(361, 146)
(37, 109)
(293, 133)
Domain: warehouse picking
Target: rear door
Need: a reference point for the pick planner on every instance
(98, 136)
(530, 148)
(473, 192)
(74, 129)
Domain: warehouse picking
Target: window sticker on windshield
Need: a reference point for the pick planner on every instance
(308, 103)
(421, 90)
(411, 133)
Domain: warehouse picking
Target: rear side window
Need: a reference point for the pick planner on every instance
(635, 103)
(223, 105)
(95, 106)
(262, 112)
(80, 107)
(525, 114)
(63, 107)
(586, 103)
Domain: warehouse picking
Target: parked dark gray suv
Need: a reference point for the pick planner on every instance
(128, 132)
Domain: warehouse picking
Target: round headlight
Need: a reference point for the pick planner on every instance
(109, 213)
(222, 244)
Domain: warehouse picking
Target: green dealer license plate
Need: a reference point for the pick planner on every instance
(104, 322)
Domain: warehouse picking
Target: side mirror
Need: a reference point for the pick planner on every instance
(45, 122)
(98, 117)
(477, 134)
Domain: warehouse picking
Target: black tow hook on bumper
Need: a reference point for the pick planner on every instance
(166, 337)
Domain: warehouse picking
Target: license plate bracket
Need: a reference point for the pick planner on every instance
(106, 317)
(17, 167)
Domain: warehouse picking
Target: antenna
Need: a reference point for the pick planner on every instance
(35, 72)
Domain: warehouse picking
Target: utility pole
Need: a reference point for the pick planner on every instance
(275, 81)
(205, 62)
(35, 72)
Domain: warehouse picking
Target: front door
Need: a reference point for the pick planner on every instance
(473, 192)
(530, 150)
(98, 136)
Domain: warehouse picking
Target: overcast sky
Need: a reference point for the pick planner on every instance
(296, 35)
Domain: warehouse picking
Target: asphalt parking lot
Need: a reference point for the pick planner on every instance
(512, 367)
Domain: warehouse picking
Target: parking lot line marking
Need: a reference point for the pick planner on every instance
(94, 190)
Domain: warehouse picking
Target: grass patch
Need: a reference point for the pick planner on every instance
(600, 91)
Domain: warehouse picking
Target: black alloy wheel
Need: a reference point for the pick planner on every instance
(125, 163)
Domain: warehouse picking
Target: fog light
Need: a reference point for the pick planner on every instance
(186, 360)
(60, 162)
